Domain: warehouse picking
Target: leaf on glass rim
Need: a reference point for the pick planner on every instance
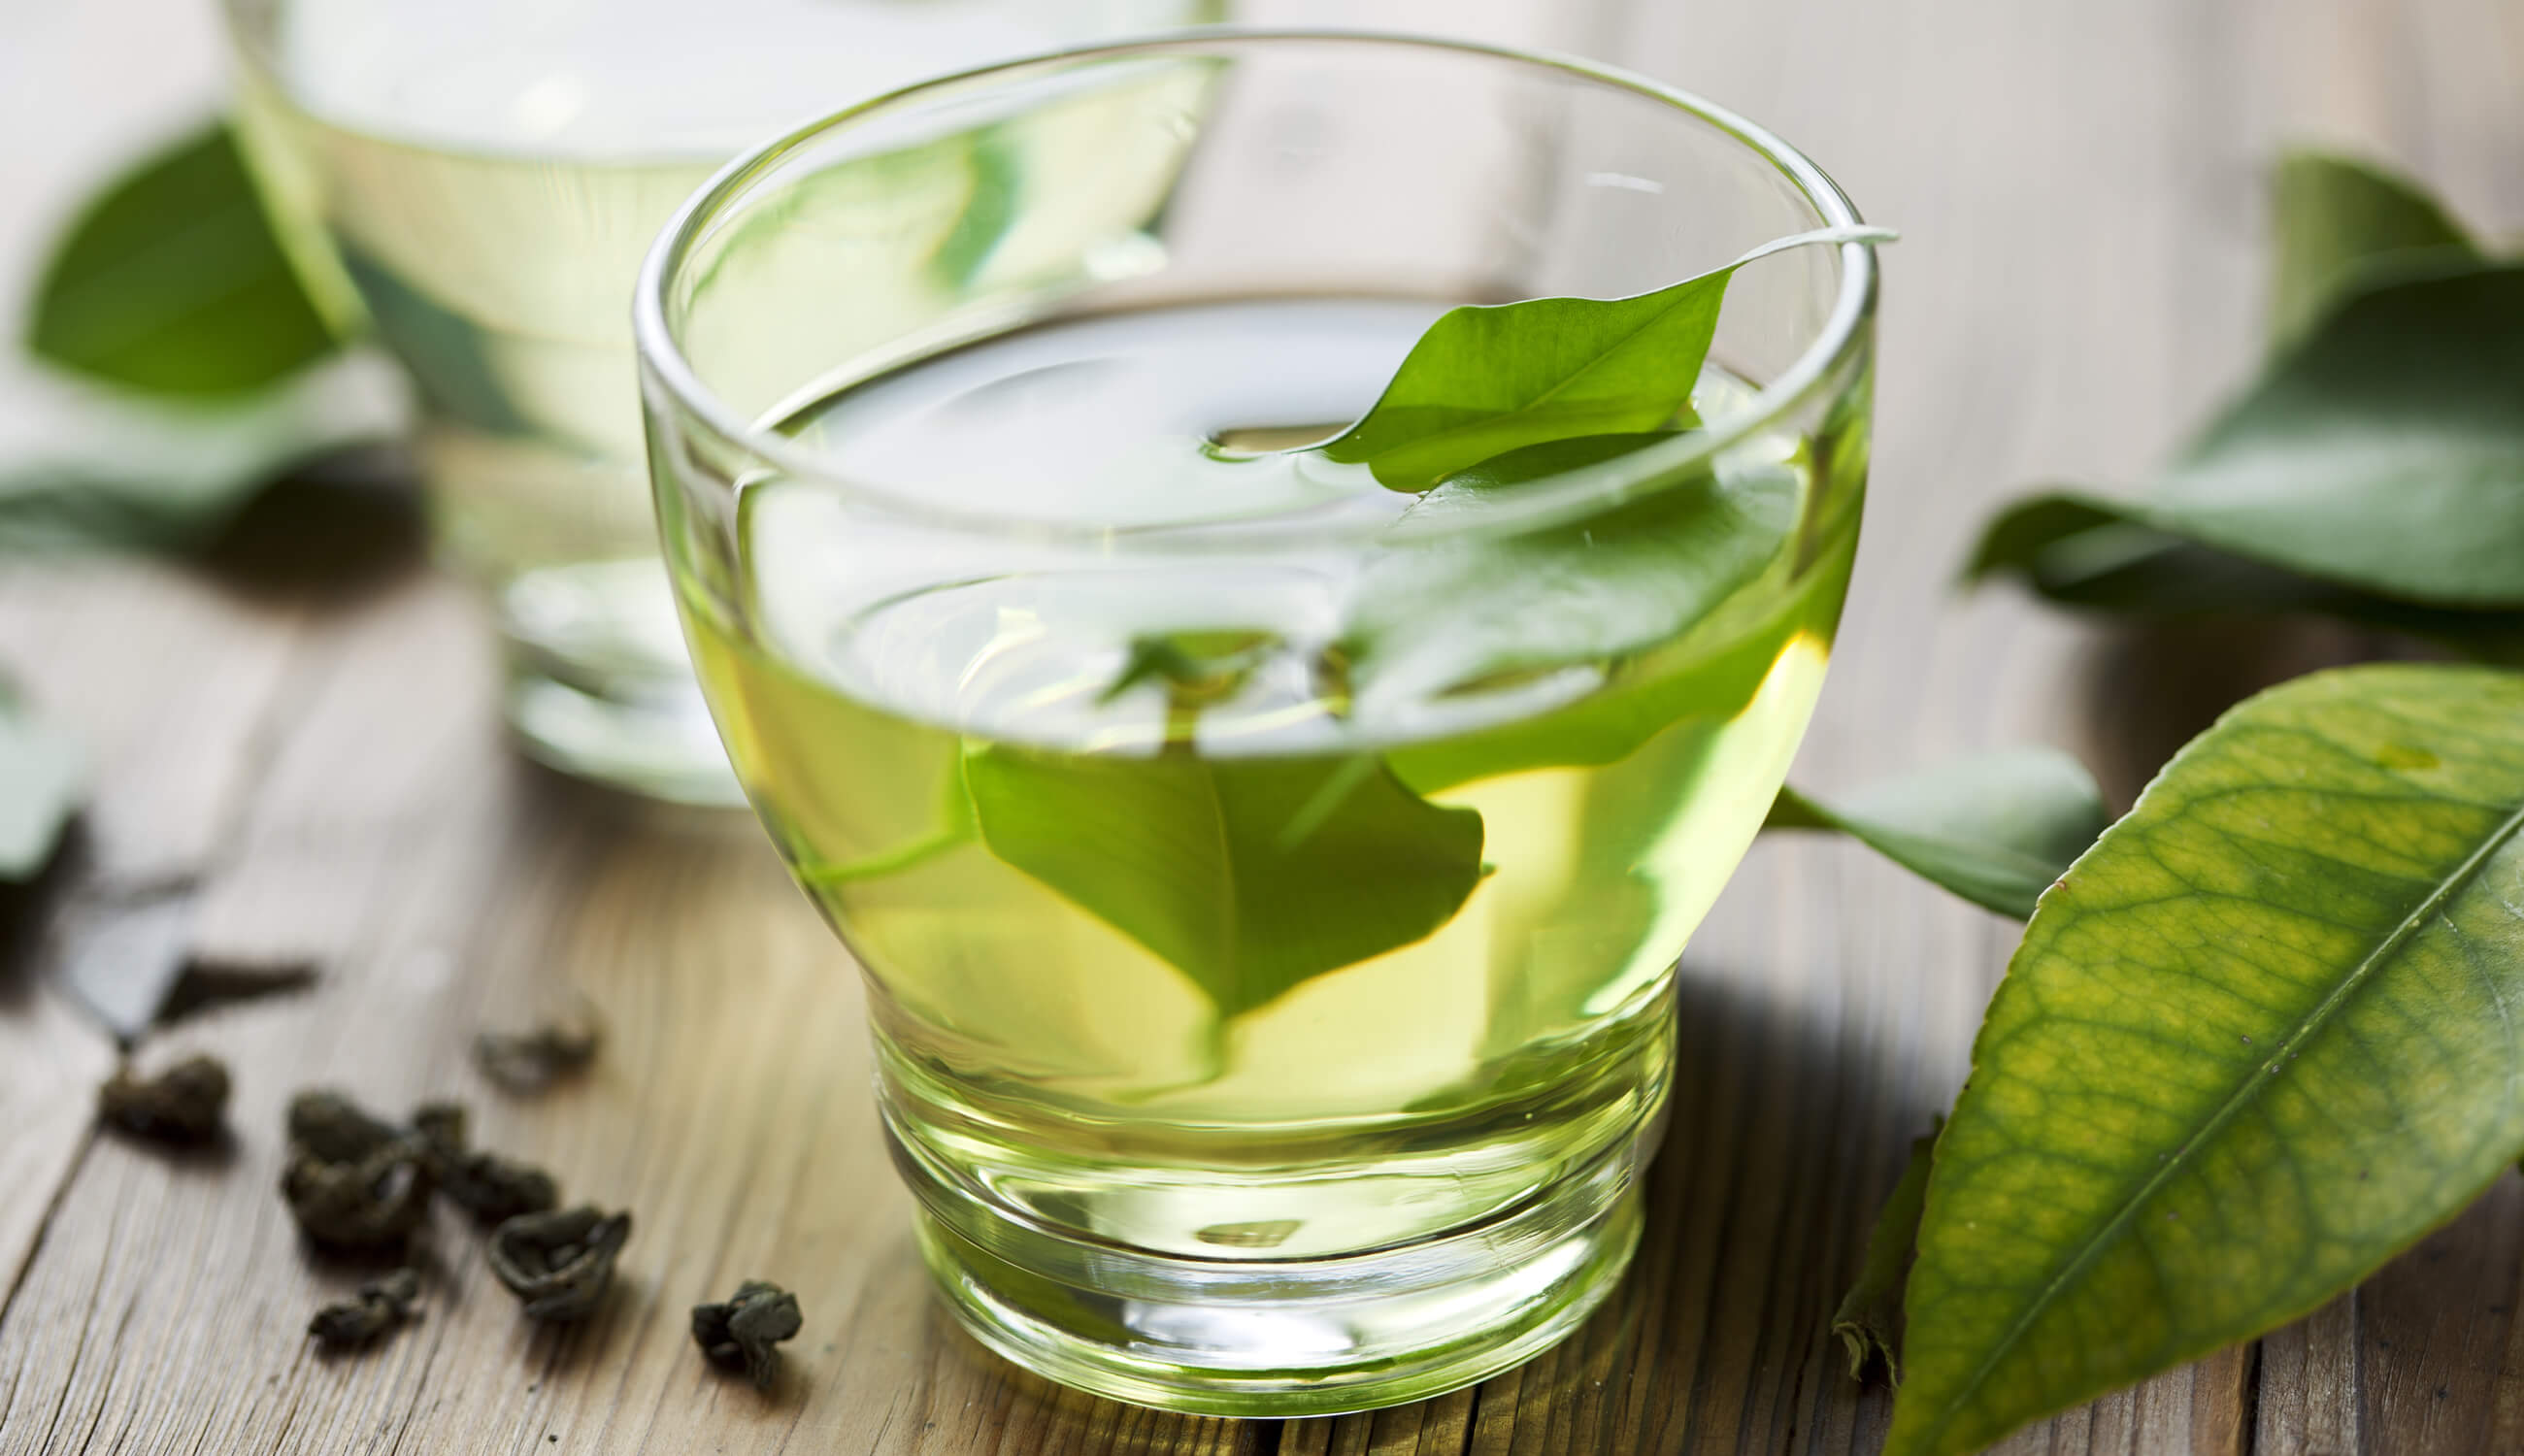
(170, 281)
(1995, 828)
(1487, 379)
(2333, 215)
(41, 777)
(2256, 1041)
(2384, 452)
(1245, 874)
(1869, 1321)
(2086, 554)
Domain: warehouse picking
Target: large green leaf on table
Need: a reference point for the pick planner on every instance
(2259, 1040)
(1248, 875)
(2384, 452)
(1996, 828)
(171, 281)
(2333, 215)
(40, 789)
(1488, 380)
(2087, 553)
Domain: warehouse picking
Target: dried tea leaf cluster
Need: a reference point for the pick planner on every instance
(362, 1185)
(187, 1102)
(746, 1331)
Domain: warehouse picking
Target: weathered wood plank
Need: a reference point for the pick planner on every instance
(730, 1112)
(165, 686)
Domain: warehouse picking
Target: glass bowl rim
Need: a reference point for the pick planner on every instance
(669, 380)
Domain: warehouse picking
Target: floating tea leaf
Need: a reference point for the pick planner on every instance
(529, 1061)
(560, 1264)
(745, 1333)
(376, 1308)
(182, 1105)
(485, 1184)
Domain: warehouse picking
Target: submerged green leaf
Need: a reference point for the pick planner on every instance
(1869, 1321)
(40, 789)
(1248, 875)
(171, 281)
(1997, 829)
(2334, 215)
(1448, 616)
(2258, 1040)
(1195, 668)
(1487, 379)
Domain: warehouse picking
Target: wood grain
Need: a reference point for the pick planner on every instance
(2081, 273)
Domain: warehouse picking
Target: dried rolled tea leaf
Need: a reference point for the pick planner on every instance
(560, 1264)
(529, 1061)
(376, 1308)
(186, 1103)
(745, 1333)
(444, 1126)
(491, 1187)
(337, 1130)
(369, 1203)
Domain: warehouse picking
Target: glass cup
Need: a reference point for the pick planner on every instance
(473, 182)
(1267, 884)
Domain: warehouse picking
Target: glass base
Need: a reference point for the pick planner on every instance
(1283, 1337)
(600, 686)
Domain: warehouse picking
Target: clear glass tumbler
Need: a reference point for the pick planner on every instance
(474, 181)
(1268, 882)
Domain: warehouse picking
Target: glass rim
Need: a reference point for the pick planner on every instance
(664, 369)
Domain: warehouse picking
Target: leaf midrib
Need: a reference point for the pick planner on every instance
(2262, 1074)
(1609, 349)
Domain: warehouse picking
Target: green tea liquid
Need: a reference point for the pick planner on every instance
(1371, 938)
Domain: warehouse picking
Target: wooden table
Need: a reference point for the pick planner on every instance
(286, 773)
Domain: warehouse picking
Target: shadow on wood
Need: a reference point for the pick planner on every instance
(2151, 687)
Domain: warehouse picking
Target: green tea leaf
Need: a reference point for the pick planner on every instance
(2384, 454)
(2258, 1040)
(1248, 875)
(170, 281)
(1451, 614)
(1487, 379)
(1705, 674)
(2089, 555)
(40, 789)
(1869, 1321)
(1997, 829)
(2333, 215)
(1197, 669)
